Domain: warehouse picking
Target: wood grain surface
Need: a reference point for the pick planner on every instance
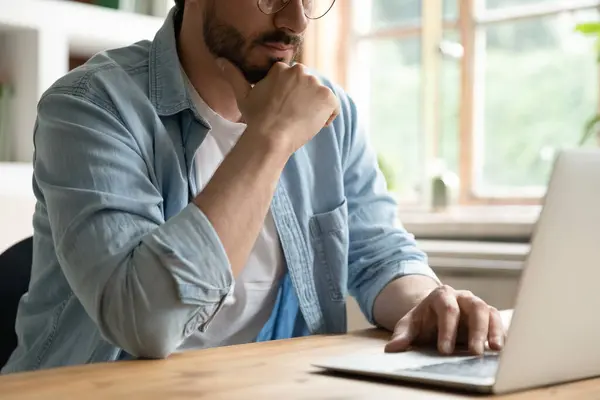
(272, 370)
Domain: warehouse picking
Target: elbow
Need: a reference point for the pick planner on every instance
(154, 347)
(148, 313)
(147, 339)
(143, 326)
(158, 335)
(151, 329)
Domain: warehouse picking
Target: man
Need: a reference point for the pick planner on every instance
(203, 190)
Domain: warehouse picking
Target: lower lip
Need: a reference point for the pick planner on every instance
(283, 51)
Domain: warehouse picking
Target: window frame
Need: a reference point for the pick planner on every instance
(331, 42)
(473, 18)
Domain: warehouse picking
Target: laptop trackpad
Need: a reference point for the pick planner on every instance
(380, 362)
(477, 367)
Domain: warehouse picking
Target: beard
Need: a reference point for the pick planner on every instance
(225, 41)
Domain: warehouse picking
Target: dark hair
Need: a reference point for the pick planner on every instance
(178, 15)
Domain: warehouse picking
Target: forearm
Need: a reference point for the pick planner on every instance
(237, 198)
(399, 297)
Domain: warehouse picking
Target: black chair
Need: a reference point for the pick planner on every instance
(15, 272)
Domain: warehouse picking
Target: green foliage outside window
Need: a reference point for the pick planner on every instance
(591, 29)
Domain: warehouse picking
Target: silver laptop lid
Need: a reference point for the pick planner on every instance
(555, 331)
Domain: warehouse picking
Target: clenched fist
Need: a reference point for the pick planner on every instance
(287, 108)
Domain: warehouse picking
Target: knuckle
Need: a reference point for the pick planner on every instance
(298, 69)
(280, 66)
(479, 305)
(325, 93)
(451, 309)
(312, 80)
(332, 98)
(445, 289)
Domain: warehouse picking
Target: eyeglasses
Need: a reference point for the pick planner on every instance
(313, 9)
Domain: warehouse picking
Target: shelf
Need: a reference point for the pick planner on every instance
(16, 179)
(88, 28)
(41, 40)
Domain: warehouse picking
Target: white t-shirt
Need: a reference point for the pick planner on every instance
(247, 310)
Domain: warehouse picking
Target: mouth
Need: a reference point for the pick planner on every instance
(279, 47)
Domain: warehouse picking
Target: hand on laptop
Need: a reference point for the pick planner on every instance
(446, 318)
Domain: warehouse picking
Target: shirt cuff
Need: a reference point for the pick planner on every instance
(191, 249)
(387, 275)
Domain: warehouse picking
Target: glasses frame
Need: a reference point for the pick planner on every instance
(285, 4)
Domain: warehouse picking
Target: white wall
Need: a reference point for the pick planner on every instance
(16, 203)
(3, 57)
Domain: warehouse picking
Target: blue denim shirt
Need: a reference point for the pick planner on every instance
(124, 262)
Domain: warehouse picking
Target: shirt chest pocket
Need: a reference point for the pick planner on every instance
(329, 239)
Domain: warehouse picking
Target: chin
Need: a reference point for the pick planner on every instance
(266, 59)
(253, 76)
(255, 73)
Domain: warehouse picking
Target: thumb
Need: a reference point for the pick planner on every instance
(405, 333)
(334, 115)
(236, 79)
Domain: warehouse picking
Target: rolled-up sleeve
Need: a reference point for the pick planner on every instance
(147, 283)
(380, 249)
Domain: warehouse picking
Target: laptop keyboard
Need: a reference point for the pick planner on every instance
(479, 367)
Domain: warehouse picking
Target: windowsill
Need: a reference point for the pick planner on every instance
(475, 258)
(481, 223)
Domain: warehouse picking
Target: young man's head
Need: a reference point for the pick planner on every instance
(252, 34)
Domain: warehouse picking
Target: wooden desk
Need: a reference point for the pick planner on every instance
(274, 370)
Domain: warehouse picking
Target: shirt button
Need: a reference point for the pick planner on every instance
(192, 325)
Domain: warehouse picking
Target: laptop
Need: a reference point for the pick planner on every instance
(554, 332)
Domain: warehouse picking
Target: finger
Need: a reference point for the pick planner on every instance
(405, 333)
(478, 320)
(337, 109)
(428, 328)
(334, 115)
(241, 87)
(445, 306)
(496, 331)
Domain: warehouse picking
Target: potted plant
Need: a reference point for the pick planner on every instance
(388, 172)
(592, 127)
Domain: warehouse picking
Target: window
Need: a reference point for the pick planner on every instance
(491, 89)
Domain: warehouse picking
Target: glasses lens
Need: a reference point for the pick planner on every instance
(272, 6)
(315, 9)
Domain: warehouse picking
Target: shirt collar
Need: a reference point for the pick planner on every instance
(168, 92)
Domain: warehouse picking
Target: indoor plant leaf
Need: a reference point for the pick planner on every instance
(589, 28)
(590, 128)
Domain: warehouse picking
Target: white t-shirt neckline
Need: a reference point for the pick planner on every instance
(249, 307)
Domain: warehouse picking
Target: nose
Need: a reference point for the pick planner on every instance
(292, 18)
